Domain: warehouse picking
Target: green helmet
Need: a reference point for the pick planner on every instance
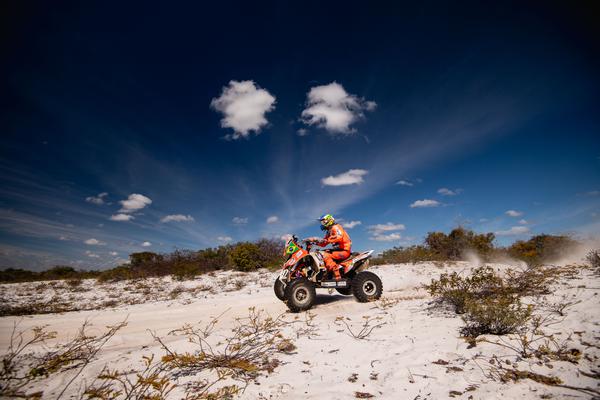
(327, 221)
(290, 248)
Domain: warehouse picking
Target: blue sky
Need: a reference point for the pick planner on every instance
(157, 127)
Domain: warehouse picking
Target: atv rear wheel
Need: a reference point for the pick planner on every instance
(344, 291)
(279, 289)
(367, 286)
(300, 295)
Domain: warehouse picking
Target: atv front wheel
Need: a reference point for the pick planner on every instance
(366, 286)
(279, 289)
(300, 295)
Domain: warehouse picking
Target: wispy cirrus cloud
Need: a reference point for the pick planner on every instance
(272, 219)
(243, 105)
(332, 108)
(350, 177)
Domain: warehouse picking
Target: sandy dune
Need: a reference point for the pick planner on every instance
(396, 361)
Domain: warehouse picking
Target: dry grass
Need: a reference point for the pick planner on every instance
(22, 367)
(220, 370)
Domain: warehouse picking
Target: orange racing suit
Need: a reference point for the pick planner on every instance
(342, 248)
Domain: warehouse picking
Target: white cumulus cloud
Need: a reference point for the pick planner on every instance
(239, 220)
(514, 213)
(523, 222)
(243, 105)
(350, 177)
(94, 242)
(225, 239)
(390, 237)
(98, 200)
(121, 217)
(177, 218)
(113, 253)
(386, 232)
(387, 227)
(91, 254)
(515, 230)
(146, 244)
(272, 219)
(134, 202)
(331, 107)
(449, 192)
(425, 203)
(351, 224)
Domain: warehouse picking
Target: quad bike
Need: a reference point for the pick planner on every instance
(304, 271)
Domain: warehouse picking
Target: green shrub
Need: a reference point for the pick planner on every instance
(541, 248)
(119, 273)
(495, 315)
(411, 254)
(457, 290)
(441, 247)
(459, 241)
(245, 257)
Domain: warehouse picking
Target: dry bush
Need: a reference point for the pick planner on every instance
(511, 374)
(309, 328)
(74, 282)
(151, 382)
(534, 340)
(533, 281)
(240, 358)
(366, 328)
(177, 291)
(22, 367)
(593, 258)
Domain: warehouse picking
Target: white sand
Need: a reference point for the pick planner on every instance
(399, 354)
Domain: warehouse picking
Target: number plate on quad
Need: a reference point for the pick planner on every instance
(334, 284)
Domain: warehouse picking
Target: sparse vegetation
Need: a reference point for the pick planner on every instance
(219, 370)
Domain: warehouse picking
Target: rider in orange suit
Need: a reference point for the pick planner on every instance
(342, 245)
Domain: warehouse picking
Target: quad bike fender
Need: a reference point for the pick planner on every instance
(361, 262)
